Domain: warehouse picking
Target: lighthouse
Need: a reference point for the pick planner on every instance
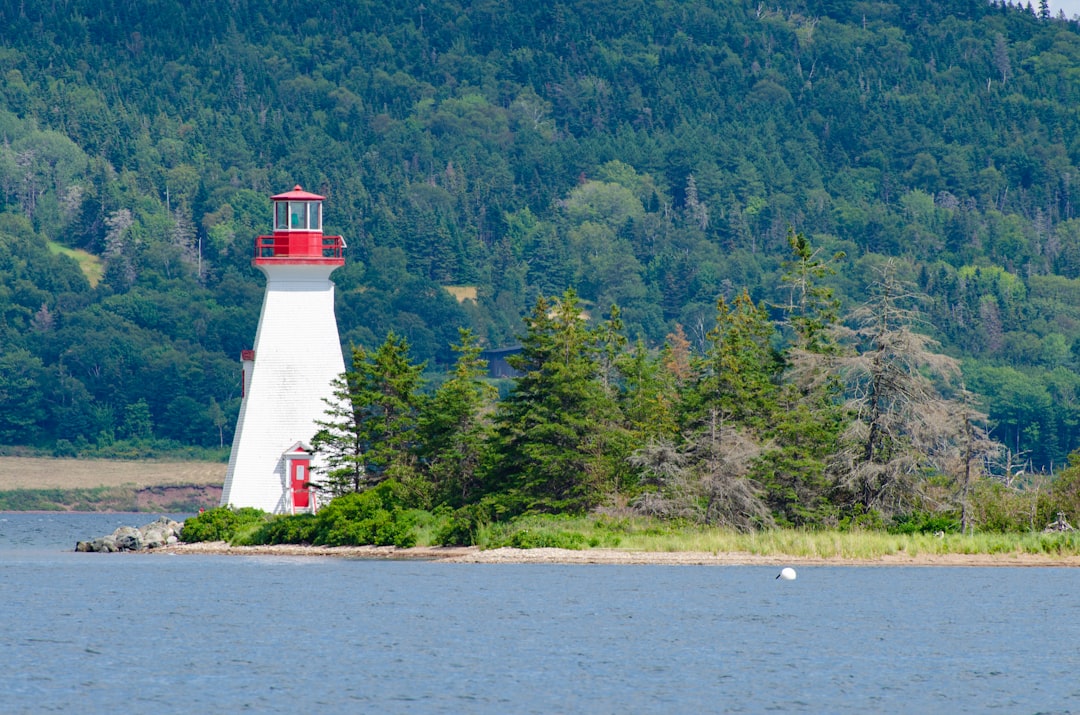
(297, 354)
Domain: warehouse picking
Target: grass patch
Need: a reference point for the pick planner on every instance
(91, 265)
(650, 535)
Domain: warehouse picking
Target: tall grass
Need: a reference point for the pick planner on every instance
(640, 534)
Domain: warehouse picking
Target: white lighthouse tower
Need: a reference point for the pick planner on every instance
(297, 354)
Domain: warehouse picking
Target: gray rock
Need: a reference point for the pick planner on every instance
(127, 538)
(152, 538)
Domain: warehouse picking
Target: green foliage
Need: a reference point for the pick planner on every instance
(999, 509)
(925, 523)
(454, 427)
(291, 529)
(549, 531)
(466, 526)
(221, 523)
(642, 154)
(859, 518)
(369, 433)
(557, 435)
(95, 499)
(377, 516)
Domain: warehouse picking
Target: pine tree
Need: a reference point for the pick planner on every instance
(455, 425)
(810, 417)
(557, 444)
(370, 431)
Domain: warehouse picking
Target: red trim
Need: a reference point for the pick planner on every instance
(297, 194)
(299, 247)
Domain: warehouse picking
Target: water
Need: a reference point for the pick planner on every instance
(105, 633)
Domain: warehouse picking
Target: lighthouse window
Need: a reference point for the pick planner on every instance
(314, 211)
(298, 214)
(281, 215)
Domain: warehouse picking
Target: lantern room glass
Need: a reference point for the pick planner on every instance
(298, 215)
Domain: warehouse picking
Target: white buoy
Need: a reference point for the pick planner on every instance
(786, 574)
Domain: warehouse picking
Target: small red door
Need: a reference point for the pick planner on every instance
(300, 490)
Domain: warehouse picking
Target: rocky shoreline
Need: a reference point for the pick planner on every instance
(155, 535)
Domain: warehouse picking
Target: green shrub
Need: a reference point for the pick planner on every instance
(463, 527)
(547, 531)
(377, 516)
(999, 509)
(925, 523)
(857, 517)
(297, 529)
(527, 539)
(220, 524)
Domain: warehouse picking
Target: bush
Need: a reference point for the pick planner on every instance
(999, 509)
(220, 524)
(526, 539)
(925, 523)
(296, 529)
(857, 518)
(547, 531)
(463, 527)
(376, 517)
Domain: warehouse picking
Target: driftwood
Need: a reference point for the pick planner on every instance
(1059, 524)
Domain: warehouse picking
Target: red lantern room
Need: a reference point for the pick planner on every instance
(298, 236)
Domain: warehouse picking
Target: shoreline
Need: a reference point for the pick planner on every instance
(474, 555)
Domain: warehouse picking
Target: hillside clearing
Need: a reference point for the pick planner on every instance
(43, 473)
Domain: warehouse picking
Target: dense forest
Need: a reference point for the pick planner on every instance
(481, 157)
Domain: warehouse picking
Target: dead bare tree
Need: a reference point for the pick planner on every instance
(707, 481)
(960, 446)
(888, 379)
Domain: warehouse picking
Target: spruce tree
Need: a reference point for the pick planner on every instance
(811, 415)
(370, 431)
(728, 407)
(557, 445)
(455, 425)
(888, 447)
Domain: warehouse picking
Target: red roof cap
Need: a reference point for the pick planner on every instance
(297, 194)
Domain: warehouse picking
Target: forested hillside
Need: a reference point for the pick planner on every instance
(653, 155)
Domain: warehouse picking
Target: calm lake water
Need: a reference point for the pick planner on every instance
(108, 633)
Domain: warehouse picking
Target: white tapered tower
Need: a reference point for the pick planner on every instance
(296, 357)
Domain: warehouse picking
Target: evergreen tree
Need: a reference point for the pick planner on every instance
(454, 426)
(810, 415)
(370, 431)
(812, 309)
(556, 443)
(737, 376)
(737, 390)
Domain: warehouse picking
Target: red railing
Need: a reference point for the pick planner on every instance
(300, 245)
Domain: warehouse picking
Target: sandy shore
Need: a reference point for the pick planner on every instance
(472, 555)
